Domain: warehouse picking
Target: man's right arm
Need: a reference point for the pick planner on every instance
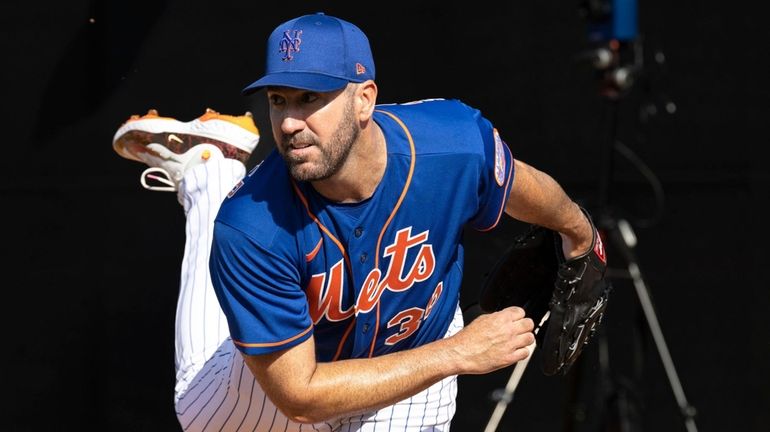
(308, 391)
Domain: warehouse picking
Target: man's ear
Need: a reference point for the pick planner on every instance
(366, 96)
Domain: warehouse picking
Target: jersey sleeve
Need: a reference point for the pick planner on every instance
(259, 293)
(495, 177)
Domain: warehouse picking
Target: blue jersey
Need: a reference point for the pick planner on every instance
(369, 278)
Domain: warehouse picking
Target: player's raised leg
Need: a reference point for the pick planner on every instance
(201, 161)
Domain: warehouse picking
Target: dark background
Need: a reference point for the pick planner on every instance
(91, 260)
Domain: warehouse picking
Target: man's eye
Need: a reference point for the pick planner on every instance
(309, 97)
(276, 100)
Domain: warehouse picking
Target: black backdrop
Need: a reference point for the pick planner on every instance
(91, 260)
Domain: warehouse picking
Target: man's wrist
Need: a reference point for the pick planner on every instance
(578, 235)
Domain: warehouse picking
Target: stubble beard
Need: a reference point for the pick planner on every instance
(333, 155)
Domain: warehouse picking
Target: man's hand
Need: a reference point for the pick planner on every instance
(493, 341)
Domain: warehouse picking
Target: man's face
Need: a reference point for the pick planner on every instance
(314, 132)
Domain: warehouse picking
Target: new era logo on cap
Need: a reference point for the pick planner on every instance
(316, 52)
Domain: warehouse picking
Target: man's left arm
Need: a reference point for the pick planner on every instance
(537, 198)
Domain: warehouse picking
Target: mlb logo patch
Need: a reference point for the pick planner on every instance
(499, 159)
(235, 189)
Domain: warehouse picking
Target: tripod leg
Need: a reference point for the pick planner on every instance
(510, 387)
(513, 382)
(625, 233)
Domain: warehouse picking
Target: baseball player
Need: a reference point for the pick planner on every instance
(201, 160)
(338, 260)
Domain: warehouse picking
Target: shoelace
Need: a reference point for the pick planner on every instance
(162, 176)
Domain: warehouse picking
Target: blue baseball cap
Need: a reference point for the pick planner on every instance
(316, 52)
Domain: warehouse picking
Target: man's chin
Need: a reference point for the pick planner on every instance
(303, 172)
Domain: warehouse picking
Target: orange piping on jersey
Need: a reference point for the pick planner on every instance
(392, 213)
(315, 251)
(344, 338)
(323, 228)
(272, 344)
(310, 255)
(507, 186)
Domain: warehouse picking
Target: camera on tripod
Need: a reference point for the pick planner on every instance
(615, 51)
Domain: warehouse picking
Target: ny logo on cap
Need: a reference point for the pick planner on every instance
(290, 43)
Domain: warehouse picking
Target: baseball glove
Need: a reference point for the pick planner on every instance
(534, 275)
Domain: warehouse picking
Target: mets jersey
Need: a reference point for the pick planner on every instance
(368, 278)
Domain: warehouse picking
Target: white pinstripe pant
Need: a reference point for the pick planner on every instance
(214, 390)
